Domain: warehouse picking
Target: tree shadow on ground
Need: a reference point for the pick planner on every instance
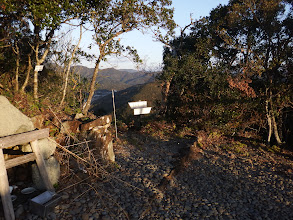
(221, 186)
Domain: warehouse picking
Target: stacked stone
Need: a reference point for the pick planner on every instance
(98, 130)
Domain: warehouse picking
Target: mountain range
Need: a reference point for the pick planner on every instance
(117, 79)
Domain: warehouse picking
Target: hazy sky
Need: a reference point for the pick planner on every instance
(148, 50)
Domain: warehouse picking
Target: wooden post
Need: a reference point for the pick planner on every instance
(41, 165)
(4, 190)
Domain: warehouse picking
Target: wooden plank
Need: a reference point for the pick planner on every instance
(23, 138)
(20, 160)
(4, 190)
(41, 165)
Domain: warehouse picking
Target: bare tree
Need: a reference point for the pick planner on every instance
(69, 65)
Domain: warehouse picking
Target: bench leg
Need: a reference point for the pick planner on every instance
(4, 190)
(41, 165)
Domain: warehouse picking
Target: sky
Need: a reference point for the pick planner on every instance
(149, 50)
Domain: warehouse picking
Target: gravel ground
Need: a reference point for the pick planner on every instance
(217, 185)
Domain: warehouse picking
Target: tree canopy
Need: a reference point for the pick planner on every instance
(234, 68)
(28, 33)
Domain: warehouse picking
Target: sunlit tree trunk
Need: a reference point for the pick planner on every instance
(92, 87)
(80, 92)
(28, 70)
(274, 124)
(103, 53)
(276, 132)
(269, 120)
(165, 92)
(39, 61)
(16, 51)
(273, 127)
(36, 98)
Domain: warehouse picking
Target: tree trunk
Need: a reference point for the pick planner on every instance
(165, 91)
(39, 61)
(36, 98)
(17, 74)
(16, 51)
(80, 92)
(273, 127)
(29, 68)
(274, 124)
(269, 119)
(68, 68)
(276, 132)
(92, 87)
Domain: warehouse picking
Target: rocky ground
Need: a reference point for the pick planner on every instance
(217, 184)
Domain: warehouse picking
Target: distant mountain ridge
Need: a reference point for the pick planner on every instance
(150, 92)
(116, 79)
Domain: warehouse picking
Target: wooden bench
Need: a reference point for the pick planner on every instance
(19, 139)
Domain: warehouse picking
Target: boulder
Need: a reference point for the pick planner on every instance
(78, 116)
(47, 147)
(38, 121)
(53, 169)
(12, 121)
(68, 127)
(104, 144)
(102, 121)
(98, 130)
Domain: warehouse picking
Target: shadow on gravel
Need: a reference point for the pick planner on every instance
(215, 185)
(237, 188)
(218, 185)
